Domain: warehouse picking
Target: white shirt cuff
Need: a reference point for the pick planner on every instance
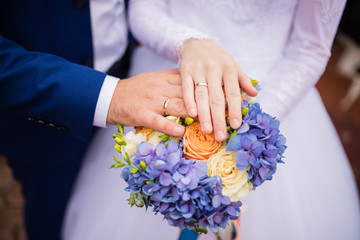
(104, 100)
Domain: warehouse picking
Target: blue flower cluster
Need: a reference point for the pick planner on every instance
(258, 143)
(179, 188)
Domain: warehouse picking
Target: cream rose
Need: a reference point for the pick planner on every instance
(235, 182)
(132, 140)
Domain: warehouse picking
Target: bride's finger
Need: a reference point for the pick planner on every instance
(217, 105)
(246, 84)
(233, 97)
(202, 102)
(188, 94)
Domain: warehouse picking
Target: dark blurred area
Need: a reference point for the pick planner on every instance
(350, 22)
(339, 88)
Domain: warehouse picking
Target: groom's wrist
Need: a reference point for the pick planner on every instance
(104, 100)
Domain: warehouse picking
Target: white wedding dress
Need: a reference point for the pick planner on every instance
(283, 44)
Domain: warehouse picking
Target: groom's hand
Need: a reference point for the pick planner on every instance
(139, 101)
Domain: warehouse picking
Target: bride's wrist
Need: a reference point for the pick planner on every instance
(192, 43)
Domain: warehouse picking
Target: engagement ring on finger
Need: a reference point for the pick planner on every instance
(165, 105)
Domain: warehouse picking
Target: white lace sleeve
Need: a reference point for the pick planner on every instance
(306, 56)
(152, 26)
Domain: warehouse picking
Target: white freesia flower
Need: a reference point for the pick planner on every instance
(132, 140)
(173, 119)
(234, 181)
(155, 140)
(154, 136)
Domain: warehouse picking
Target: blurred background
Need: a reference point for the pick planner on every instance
(339, 88)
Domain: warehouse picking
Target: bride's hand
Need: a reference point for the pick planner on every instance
(203, 61)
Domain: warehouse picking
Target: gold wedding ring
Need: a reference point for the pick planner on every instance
(201, 84)
(165, 105)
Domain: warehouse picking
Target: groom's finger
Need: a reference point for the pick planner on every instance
(175, 107)
(161, 124)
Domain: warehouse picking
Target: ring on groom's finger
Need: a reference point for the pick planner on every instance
(201, 84)
(165, 105)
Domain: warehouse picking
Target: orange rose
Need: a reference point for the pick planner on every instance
(198, 145)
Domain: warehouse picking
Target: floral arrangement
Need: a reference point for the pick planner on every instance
(194, 181)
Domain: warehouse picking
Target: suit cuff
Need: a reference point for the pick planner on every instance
(104, 100)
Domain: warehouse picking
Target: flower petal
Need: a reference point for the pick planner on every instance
(160, 150)
(165, 179)
(234, 144)
(172, 146)
(243, 128)
(216, 201)
(145, 148)
(242, 159)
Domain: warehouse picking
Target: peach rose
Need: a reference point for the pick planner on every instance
(198, 145)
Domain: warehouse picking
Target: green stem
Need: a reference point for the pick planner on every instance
(218, 236)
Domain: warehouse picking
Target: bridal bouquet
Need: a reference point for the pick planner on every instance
(194, 181)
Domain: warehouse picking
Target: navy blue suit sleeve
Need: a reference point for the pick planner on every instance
(49, 88)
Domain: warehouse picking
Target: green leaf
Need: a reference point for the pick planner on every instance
(164, 137)
(120, 129)
(127, 158)
(117, 159)
(202, 230)
(118, 165)
(233, 134)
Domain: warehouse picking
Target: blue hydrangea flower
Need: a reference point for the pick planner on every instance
(258, 143)
(179, 188)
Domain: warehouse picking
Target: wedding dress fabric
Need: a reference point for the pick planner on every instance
(283, 44)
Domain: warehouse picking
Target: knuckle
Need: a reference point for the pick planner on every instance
(233, 94)
(217, 101)
(178, 108)
(186, 67)
(229, 66)
(153, 121)
(211, 65)
(201, 95)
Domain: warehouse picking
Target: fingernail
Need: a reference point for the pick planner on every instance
(192, 112)
(219, 135)
(234, 123)
(178, 130)
(207, 127)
